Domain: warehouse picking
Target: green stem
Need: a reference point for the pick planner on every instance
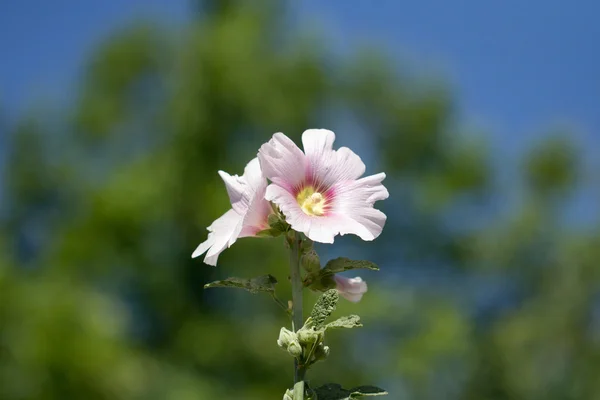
(297, 317)
(281, 304)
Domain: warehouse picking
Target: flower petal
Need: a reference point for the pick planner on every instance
(299, 221)
(317, 143)
(354, 298)
(353, 206)
(318, 229)
(352, 289)
(253, 176)
(224, 232)
(256, 218)
(235, 189)
(326, 166)
(282, 162)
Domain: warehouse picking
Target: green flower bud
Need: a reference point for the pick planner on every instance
(321, 352)
(277, 223)
(306, 245)
(295, 349)
(311, 262)
(285, 338)
(273, 219)
(307, 336)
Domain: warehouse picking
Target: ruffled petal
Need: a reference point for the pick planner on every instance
(253, 176)
(326, 166)
(352, 289)
(286, 202)
(249, 213)
(351, 212)
(256, 218)
(282, 162)
(236, 189)
(352, 205)
(224, 232)
(317, 143)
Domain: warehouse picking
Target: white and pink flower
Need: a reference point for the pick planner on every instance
(248, 214)
(352, 289)
(321, 192)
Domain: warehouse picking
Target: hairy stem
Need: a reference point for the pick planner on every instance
(297, 318)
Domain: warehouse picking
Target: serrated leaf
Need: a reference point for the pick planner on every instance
(334, 391)
(350, 321)
(318, 282)
(342, 264)
(323, 308)
(265, 283)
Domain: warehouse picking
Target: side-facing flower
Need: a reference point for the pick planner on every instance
(352, 289)
(320, 191)
(248, 215)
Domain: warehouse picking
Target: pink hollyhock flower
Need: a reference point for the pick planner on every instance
(352, 289)
(248, 214)
(319, 191)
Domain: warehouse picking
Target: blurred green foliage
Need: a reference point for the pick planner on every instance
(105, 202)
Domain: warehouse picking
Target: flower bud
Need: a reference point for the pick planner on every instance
(285, 338)
(308, 336)
(276, 223)
(310, 261)
(321, 352)
(288, 395)
(306, 245)
(295, 349)
(352, 289)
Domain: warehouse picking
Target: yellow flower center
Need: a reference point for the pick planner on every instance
(311, 202)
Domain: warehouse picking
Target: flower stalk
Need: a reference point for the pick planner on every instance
(297, 317)
(307, 197)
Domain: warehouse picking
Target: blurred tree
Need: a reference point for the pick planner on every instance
(99, 298)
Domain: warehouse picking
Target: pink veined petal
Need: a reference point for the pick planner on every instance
(352, 206)
(256, 218)
(321, 230)
(351, 211)
(249, 213)
(223, 233)
(317, 143)
(282, 161)
(326, 166)
(235, 189)
(299, 221)
(241, 189)
(354, 298)
(351, 289)
(253, 176)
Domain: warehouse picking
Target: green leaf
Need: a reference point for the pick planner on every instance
(323, 308)
(322, 280)
(334, 391)
(342, 264)
(350, 321)
(265, 283)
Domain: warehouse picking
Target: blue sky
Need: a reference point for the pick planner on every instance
(516, 67)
